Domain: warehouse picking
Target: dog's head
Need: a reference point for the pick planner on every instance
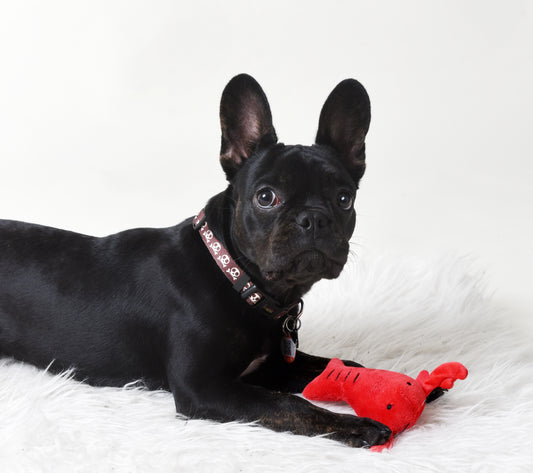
(294, 211)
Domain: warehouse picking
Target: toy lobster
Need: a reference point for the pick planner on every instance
(394, 399)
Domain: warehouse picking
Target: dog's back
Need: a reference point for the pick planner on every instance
(85, 302)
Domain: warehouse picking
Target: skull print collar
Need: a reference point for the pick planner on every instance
(240, 281)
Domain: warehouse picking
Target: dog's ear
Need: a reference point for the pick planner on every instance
(246, 122)
(343, 124)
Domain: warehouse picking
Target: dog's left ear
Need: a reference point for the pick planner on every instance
(246, 122)
(343, 124)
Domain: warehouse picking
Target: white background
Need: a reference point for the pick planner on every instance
(109, 115)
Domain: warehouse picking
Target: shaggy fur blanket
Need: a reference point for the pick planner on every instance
(383, 312)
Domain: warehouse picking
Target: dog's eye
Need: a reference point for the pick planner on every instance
(266, 198)
(345, 200)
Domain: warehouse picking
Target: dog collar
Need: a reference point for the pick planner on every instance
(241, 282)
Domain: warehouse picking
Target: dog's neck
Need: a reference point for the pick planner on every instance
(220, 213)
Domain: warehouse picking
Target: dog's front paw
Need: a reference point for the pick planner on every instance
(435, 394)
(362, 432)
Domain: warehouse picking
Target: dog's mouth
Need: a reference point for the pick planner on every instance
(306, 267)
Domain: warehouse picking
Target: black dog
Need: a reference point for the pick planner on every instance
(203, 308)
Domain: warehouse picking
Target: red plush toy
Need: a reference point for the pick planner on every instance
(394, 399)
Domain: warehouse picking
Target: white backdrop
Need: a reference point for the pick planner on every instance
(109, 115)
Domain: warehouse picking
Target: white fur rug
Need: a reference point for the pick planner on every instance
(386, 313)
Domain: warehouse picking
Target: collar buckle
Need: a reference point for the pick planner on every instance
(249, 291)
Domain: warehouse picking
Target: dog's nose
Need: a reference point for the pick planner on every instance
(313, 220)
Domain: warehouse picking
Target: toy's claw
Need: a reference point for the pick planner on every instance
(441, 377)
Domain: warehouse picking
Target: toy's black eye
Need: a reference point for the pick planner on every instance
(389, 406)
(266, 198)
(345, 200)
(409, 383)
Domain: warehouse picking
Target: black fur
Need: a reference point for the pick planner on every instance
(151, 304)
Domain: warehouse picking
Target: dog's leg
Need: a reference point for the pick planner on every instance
(236, 401)
(293, 377)
(278, 375)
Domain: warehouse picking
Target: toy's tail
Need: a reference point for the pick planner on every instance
(326, 386)
(442, 377)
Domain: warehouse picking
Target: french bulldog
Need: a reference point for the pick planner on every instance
(208, 309)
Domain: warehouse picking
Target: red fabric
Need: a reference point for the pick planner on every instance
(394, 399)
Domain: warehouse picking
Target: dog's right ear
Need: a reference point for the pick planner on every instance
(246, 122)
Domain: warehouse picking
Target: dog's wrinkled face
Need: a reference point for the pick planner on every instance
(294, 211)
(294, 214)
